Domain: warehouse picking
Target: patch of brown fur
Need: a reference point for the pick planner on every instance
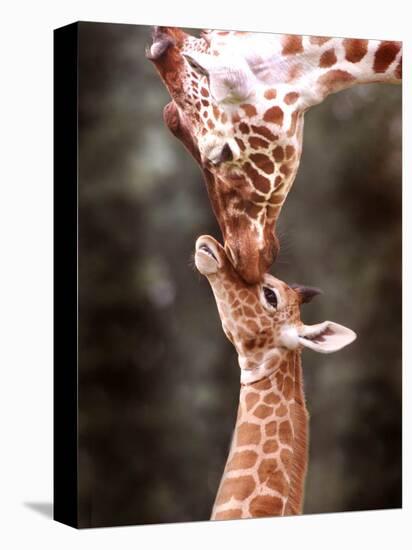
(385, 55)
(398, 70)
(172, 120)
(355, 49)
(335, 79)
(328, 58)
(291, 44)
(233, 513)
(319, 40)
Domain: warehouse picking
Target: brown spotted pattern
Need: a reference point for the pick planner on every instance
(258, 474)
(244, 146)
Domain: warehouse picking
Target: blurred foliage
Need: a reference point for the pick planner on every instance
(158, 382)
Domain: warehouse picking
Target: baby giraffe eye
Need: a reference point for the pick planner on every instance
(270, 296)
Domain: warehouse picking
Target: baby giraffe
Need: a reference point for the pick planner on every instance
(266, 468)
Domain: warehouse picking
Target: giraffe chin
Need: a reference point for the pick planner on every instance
(249, 261)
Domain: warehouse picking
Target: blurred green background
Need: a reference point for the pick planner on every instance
(158, 381)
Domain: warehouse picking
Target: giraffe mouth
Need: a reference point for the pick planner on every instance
(207, 257)
(208, 251)
(161, 43)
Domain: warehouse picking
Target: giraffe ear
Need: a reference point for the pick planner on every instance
(229, 76)
(306, 293)
(326, 337)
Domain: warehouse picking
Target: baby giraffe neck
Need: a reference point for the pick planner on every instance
(266, 467)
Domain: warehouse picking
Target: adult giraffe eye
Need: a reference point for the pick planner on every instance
(270, 296)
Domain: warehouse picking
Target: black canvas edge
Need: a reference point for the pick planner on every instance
(65, 272)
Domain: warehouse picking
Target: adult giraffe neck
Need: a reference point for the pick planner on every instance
(266, 467)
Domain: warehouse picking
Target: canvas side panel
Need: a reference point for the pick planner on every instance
(65, 275)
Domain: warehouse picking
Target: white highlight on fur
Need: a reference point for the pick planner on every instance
(289, 337)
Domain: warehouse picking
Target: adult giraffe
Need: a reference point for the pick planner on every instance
(266, 468)
(238, 101)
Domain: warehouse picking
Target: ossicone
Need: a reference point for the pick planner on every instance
(306, 293)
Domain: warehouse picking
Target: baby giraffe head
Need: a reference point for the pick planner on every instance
(263, 320)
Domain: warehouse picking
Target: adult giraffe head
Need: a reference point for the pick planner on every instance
(238, 101)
